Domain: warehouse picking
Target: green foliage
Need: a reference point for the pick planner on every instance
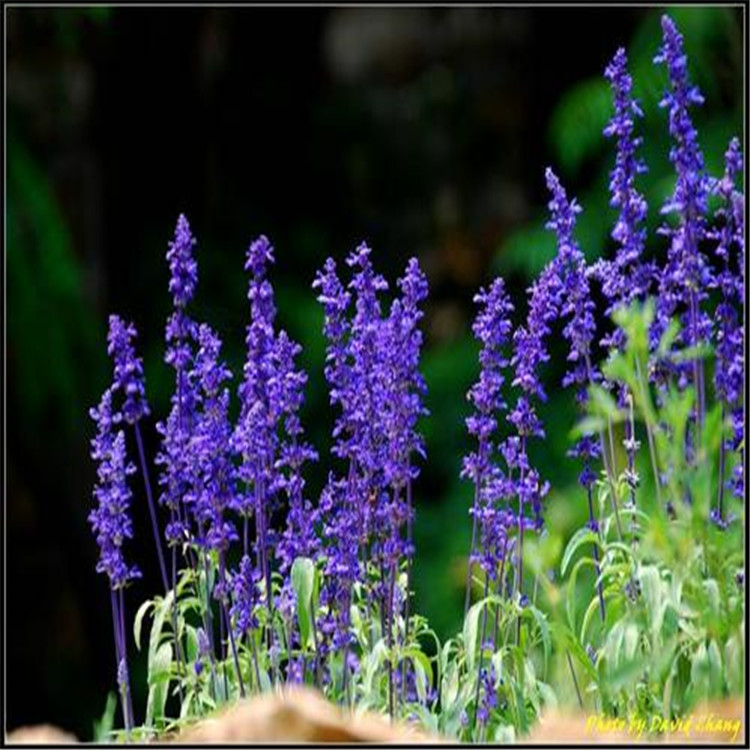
(51, 323)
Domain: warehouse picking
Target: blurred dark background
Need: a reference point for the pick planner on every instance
(423, 131)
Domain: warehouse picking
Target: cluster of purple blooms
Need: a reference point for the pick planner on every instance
(219, 481)
(510, 499)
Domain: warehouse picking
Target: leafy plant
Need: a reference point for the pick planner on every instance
(643, 609)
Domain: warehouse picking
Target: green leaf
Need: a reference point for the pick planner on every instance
(541, 620)
(582, 536)
(422, 664)
(158, 681)
(137, 625)
(162, 610)
(734, 651)
(303, 583)
(602, 403)
(103, 726)
(449, 689)
(471, 633)
(159, 668)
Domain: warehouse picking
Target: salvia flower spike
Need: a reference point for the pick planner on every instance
(686, 277)
(111, 523)
(130, 381)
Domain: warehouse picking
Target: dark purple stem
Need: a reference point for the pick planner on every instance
(124, 643)
(391, 592)
(174, 617)
(409, 535)
(477, 483)
(151, 507)
(118, 657)
(481, 649)
(520, 542)
(500, 581)
(228, 621)
(722, 468)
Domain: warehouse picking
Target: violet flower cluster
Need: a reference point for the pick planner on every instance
(222, 479)
(729, 372)
(110, 520)
(372, 367)
(491, 520)
(685, 279)
(626, 277)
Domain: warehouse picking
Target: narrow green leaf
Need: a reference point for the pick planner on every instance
(303, 583)
(582, 536)
(138, 623)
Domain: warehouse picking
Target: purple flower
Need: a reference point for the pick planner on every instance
(488, 699)
(492, 329)
(684, 280)
(729, 373)
(255, 439)
(529, 352)
(626, 277)
(335, 300)
(402, 406)
(730, 363)
(182, 265)
(177, 478)
(577, 306)
(529, 348)
(244, 597)
(577, 309)
(366, 443)
(210, 446)
(340, 535)
(402, 348)
(110, 520)
(128, 369)
(298, 539)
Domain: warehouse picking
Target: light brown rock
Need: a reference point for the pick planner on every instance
(40, 734)
(296, 715)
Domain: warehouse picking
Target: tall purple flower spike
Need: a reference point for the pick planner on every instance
(129, 380)
(729, 373)
(626, 277)
(687, 276)
(492, 328)
(256, 438)
(112, 525)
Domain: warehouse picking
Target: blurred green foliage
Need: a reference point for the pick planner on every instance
(51, 328)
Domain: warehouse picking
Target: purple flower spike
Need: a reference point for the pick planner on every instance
(687, 276)
(577, 306)
(210, 446)
(729, 373)
(529, 348)
(492, 328)
(182, 265)
(299, 538)
(110, 520)
(335, 300)
(626, 277)
(255, 435)
(128, 369)
(178, 475)
(244, 597)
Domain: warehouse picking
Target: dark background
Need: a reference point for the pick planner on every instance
(423, 131)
